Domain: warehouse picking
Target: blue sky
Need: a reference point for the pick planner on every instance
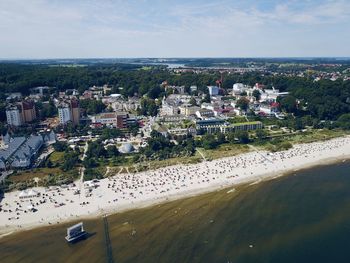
(169, 28)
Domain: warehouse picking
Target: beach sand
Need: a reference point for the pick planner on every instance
(129, 191)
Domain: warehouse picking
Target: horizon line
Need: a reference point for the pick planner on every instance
(211, 57)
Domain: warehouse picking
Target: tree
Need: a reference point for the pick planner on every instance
(91, 174)
(155, 92)
(148, 107)
(49, 163)
(261, 134)
(256, 94)
(46, 110)
(95, 150)
(288, 103)
(133, 128)
(90, 163)
(298, 124)
(242, 136)
(112, 151)
(243, 104)
(92, 106)
(221, 138)
(344, 121)
(231, 137)
(70, 158)
(206, 98)
(110, 133)
(2, 112)
(60, 146)
(3, 129)
(209, 142)
(193, 101)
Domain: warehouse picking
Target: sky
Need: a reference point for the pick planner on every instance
(36, 29)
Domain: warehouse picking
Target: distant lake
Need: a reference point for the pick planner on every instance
(300, 218)
(169, 65)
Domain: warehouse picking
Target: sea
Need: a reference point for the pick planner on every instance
(302, 217)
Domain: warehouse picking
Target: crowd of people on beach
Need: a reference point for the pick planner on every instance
(56, 204)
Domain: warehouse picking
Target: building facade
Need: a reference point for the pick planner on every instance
(13, 116)
(115, 119)
(75, 111)
(69, 111)
(213, 90)
(220, 126)
(28, 111)
(64, 113)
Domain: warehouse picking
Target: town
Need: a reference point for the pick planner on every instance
(174, 131)
(55, 136)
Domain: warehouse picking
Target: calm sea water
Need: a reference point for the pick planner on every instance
(304, 217)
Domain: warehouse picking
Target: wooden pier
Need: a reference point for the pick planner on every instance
(108, 241)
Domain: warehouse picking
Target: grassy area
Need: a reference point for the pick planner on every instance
(151, 165)
(237, 119)
(56, 157)
(47, 176)
(316, 135)
(22, 176)
(313, 136)
(225, 150)
(146, 68)
(302, 137)
(247, 123)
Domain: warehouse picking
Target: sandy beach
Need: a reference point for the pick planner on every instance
(48, 206)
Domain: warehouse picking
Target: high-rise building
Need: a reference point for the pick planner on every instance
(28, 111)
(213, 90)
(69, 111)
(13, 115)
(64, 113)
(75, 111)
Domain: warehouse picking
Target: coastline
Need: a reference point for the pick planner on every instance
(185, 181)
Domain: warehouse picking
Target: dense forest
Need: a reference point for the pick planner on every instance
(323, 99)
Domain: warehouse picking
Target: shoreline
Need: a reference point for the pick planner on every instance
(125, 192)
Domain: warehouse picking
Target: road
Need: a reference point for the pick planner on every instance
(4, 175)
(82, 169)
(43, 156)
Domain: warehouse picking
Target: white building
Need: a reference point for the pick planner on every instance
(188, 109)
(193, 88)
(167, 109)
(204, 114)
(269, 109)
(238, 88)
(13, 116)
(64, 113)
(272, 95)
(213, 90)
(116, 119)
(207, 106)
